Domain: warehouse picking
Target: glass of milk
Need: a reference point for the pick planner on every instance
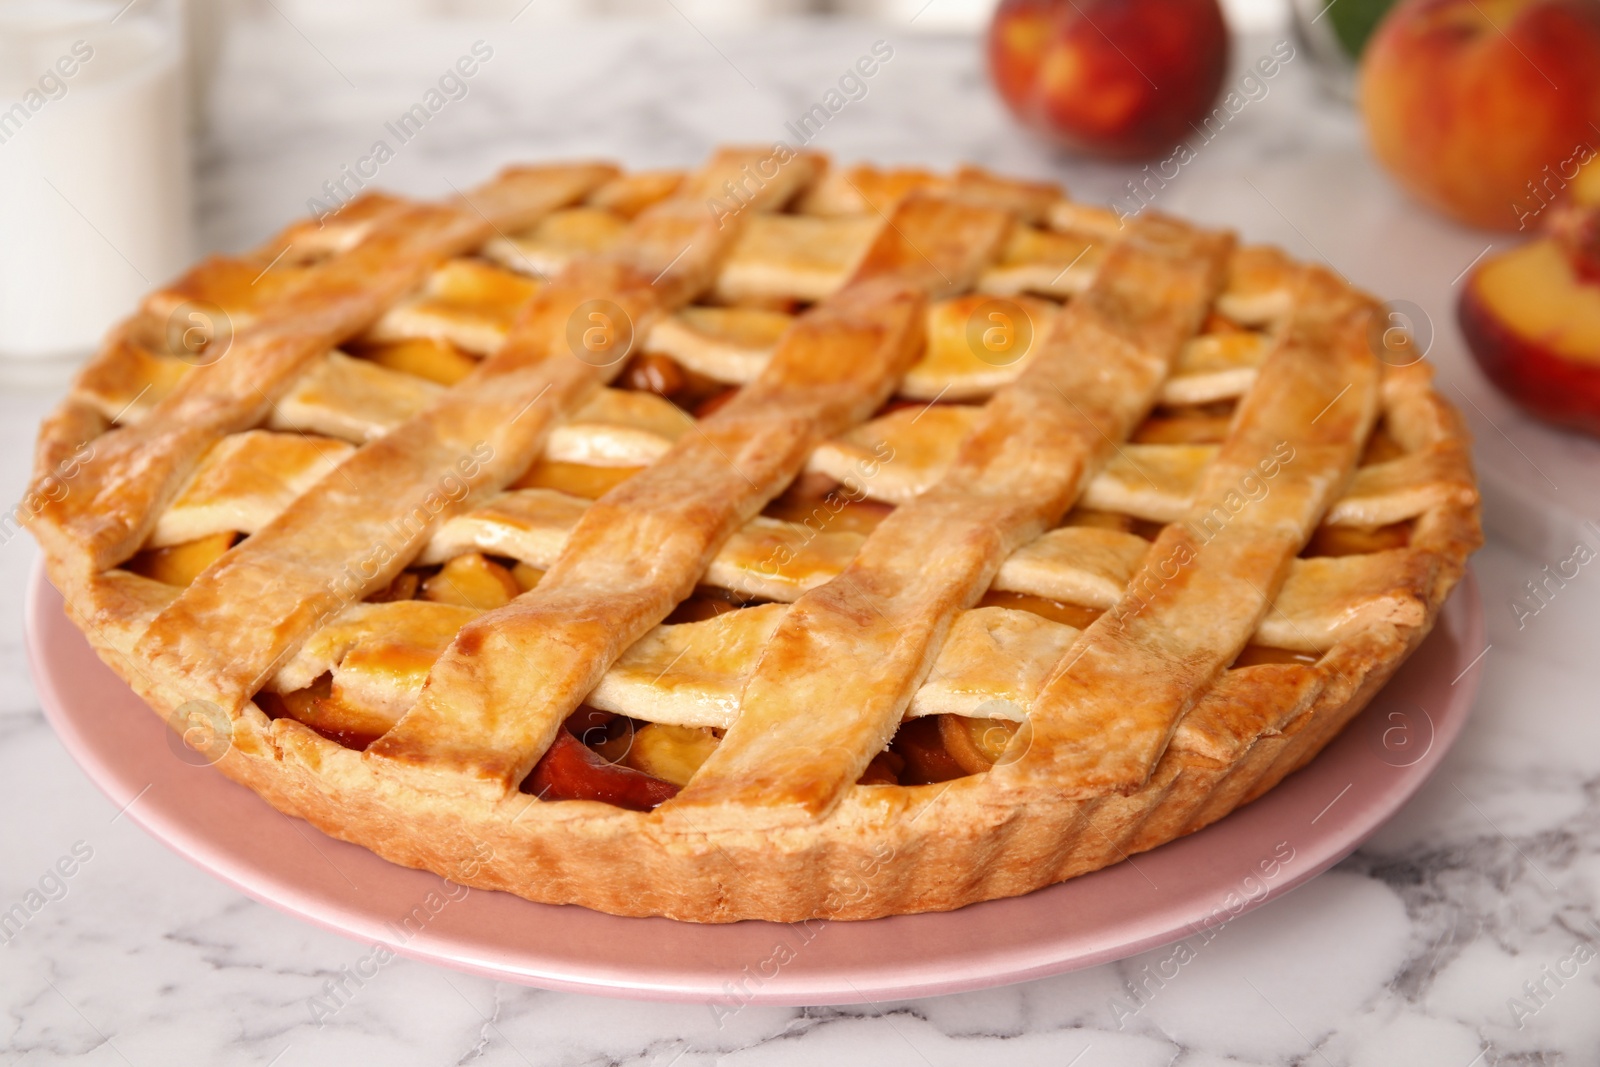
(95, 204)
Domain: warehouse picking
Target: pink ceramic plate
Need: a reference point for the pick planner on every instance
(1314, 819)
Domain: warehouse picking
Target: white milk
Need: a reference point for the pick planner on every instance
(95, 204)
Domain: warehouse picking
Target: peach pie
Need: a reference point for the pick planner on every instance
(773, 540)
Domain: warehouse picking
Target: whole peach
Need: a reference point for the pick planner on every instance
(1117, 78)
(1484, 108)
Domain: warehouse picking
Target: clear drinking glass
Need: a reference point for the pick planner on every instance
(95, 202)
(1334, 32)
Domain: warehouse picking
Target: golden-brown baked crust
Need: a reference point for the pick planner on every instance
(1138, 728)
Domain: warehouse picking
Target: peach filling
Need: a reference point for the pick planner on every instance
(1054, 610)
(652, 372)
(344, 722)
(424, 357)
(181, 564)
(637, 765)
(616, 760)
(820, 503)
(1256, 655)
(573, 770)
(937, 748)
(473, 580)
(575, 479)
(1188, 424)
(1357, 540)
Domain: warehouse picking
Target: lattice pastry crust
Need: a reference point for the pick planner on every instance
(878, 493)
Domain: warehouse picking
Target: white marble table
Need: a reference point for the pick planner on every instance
(1413, 952)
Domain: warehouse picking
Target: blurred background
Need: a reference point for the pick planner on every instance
(949, 15)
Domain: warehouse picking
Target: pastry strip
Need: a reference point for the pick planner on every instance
(495, 700)
(629, 429)
(1204, 588)
(691, 674)
(136, 470)
(875, 630)
(353, 531)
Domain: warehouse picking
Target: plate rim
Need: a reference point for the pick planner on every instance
(658, 981)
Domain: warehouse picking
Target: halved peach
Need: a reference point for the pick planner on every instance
(1532, 322)
(1586, 186)
(1576, 228)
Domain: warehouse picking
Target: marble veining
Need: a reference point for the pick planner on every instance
(1464, 933)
